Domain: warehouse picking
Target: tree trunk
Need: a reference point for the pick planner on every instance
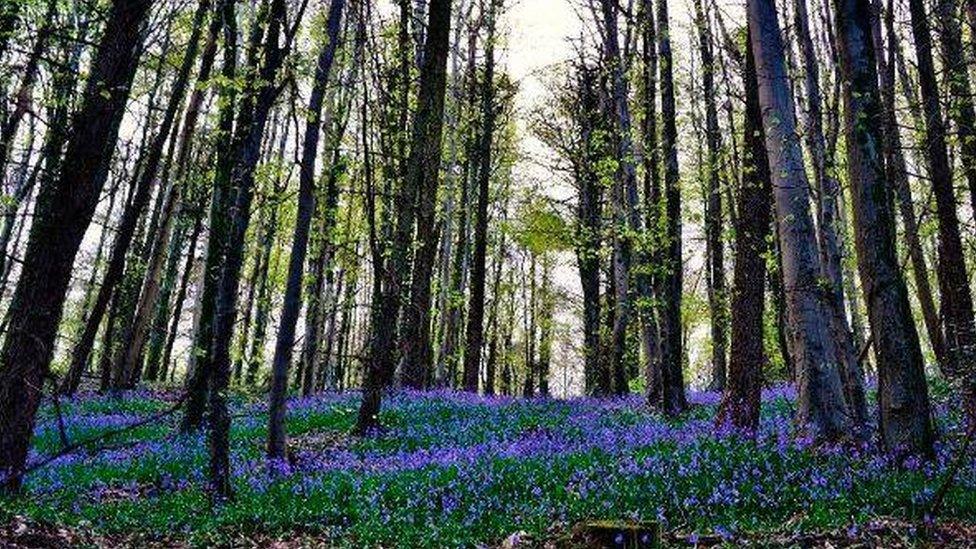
(173, 331)
(22, 99)
(902, 390)
(62, 214)
(285, 342)
(589, 231)
(150, 288)
(956, 298)
(897, 171)
(423, 166)
(262, 89)
(713, 203)
(474, 335)
(821, 403)
(741, 401)
(672, 354)
(827, 192)
(199, 368)
(947, 18)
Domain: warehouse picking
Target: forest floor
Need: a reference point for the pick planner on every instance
(461, 470)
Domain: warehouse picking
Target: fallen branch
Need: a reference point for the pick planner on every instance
(70, 448)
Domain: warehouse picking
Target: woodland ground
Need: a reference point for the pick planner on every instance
(461, 470)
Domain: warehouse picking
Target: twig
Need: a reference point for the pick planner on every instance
(62, 432)
(960, 458)
(864, 350)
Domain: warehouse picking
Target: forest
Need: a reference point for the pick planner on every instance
(487, 273)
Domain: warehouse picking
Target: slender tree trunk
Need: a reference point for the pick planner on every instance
(956, 298)
(897, 171)
(199, 368)
(150, 289)
(474, 339)
(245, 157)
(173, 203)
(713, 206)
(22, 99)
(672, 354)
(547, 312)
(285, 341)
(948, 19)
(174, 326)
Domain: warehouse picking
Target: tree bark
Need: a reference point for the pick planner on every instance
(423, 165)
(743, 393)
(828, 229)
(62, 214)
(285, 341)
(474, 336)
(672, 353)
(956, 298)
(199, 368)
(713, 203)
(821, 404)
(902, 390)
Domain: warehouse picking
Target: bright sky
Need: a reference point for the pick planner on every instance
(538, 37)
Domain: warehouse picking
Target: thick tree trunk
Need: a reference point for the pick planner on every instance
(821, 405)
(589, 231)
(902, 390)
(956, 299)
(741, 401)
(650, 308)
(474, 334)
(62, 214)
(827, 193)
(423, 166)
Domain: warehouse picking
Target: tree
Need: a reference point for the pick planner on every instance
(742, 397)
(476, 305)
(821, 405)
(423, 165)
(198, 371)
(955, 299)
(902, 390)
(713, 202)
(62, 214)
(829, 229)
(897, 171)
(296, 263)
(672, 379)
